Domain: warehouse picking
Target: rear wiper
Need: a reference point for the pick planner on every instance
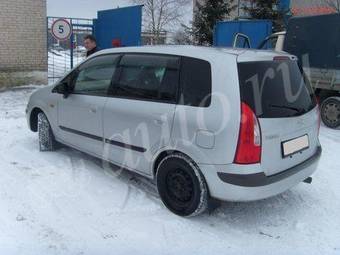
(298, 110)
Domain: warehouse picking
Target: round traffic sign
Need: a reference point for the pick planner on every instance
(61, 29)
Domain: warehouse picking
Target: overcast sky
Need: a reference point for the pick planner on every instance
(81, 8)
(89, 8)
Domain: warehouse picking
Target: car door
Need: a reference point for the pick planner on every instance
(80, 114)
(138, 117)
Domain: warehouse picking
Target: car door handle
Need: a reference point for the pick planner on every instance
(93, 110)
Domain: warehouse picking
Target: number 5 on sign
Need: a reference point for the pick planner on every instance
(61, 29)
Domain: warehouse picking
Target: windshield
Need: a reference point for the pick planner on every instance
(275, 89)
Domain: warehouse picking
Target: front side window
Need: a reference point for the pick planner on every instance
(95, 76)
(148, 77)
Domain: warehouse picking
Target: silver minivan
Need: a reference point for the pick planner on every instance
(205, 123)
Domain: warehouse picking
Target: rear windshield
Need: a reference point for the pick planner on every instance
(275, 89)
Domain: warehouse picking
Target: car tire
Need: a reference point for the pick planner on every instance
(47, 141)
(182, 186)
(330, 112)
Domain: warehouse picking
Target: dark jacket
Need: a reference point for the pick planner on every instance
(90, 52)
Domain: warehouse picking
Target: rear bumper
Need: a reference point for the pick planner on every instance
(249, 187)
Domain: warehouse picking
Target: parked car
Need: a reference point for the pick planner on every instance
(189, 117)
(315, 41)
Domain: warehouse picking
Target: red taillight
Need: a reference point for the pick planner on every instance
(249, 142)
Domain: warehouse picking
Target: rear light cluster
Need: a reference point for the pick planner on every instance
(249, 143)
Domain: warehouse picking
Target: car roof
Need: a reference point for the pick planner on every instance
(198, 52)
(174, 49)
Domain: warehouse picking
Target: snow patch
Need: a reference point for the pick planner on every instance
(63, 202)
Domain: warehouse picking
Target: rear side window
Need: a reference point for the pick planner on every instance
(195, 82)
(148, 77)
(275, 89)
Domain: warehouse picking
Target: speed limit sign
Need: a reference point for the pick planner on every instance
(61, 29)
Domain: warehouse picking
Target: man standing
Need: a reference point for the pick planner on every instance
(90, 44)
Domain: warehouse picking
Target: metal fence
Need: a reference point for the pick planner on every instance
(64, 55)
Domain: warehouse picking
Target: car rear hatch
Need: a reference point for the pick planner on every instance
(282, 100)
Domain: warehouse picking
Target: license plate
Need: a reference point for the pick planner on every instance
(294, 146)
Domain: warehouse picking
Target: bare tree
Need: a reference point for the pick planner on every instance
(161, 15)
(183, 37)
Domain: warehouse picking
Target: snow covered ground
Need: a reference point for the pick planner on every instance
(65, 203)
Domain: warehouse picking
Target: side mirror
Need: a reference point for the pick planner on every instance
(63, 89)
